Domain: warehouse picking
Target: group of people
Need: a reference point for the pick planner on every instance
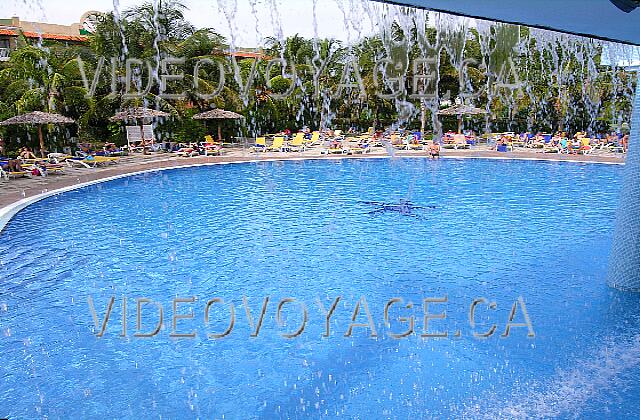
(580, 142)
(37, 167)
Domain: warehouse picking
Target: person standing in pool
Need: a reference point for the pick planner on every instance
(624, 142)
(434, 150)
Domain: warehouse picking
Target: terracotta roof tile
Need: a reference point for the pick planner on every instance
(75, 38)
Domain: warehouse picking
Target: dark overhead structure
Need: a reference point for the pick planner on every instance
(615, 20)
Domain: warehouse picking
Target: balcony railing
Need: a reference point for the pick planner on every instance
(4, 54)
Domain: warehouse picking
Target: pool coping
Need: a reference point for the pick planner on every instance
(9, 211)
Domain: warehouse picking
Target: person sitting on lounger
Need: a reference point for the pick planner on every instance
(434, 150)
(26, 153)
(39, 169)
(564, 145)
(12, 165)
(192, 150)
(363, 143)
(111, 148)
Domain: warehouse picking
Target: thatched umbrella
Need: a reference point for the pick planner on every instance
(461, 110)
(138, 115)
(218, 114)
(38, 118)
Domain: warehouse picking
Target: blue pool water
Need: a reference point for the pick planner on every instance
(500, 230)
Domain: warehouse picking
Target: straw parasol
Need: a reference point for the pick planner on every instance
(460, 110)
(218, 114)
(138, 115)
(38, 118)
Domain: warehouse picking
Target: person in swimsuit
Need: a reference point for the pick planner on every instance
(434, 150)
(624, 142)
(26, 153)
(12, 165)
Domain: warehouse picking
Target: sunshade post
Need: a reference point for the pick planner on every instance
(218, 114)
(144, 143)
(41, 138)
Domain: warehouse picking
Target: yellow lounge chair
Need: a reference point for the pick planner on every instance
(298, 143)
(7, 174)
(260, 146)
(211, 147)
(359, 150)
(49, 169)
(93, 162)
(415, 146)
(315, 138)
(278, 144)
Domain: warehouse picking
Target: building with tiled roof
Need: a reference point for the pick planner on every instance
(11, 29)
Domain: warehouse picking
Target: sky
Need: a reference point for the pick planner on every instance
(293, 16)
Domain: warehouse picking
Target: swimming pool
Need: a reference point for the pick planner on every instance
(511, 232)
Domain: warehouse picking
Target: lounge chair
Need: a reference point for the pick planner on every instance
(396, 141)
(298, 143)
(459, 142)
(188, 151)
(91, 162)
(50, 169)
(360, 149)
(341, 150)
(314, 140)
(260, 146)
(15, 174)
(211, 147)
(550, 148)
(278, 145)
(58, 157)
(134, 138)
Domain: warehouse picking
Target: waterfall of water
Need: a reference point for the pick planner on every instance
(624, 271)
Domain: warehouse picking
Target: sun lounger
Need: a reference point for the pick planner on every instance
(278, 145)
(14, 174)
(93, 162)
(336, 151)
(314, 140)
(58, 157)
(298, 143)
(260, 146)
(50, 169)
(415, 146)
(360, 149)
(188, 151)
(548, 148)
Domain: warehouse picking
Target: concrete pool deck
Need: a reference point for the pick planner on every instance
(16, 194)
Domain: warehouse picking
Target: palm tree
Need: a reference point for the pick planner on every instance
(46, 80)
